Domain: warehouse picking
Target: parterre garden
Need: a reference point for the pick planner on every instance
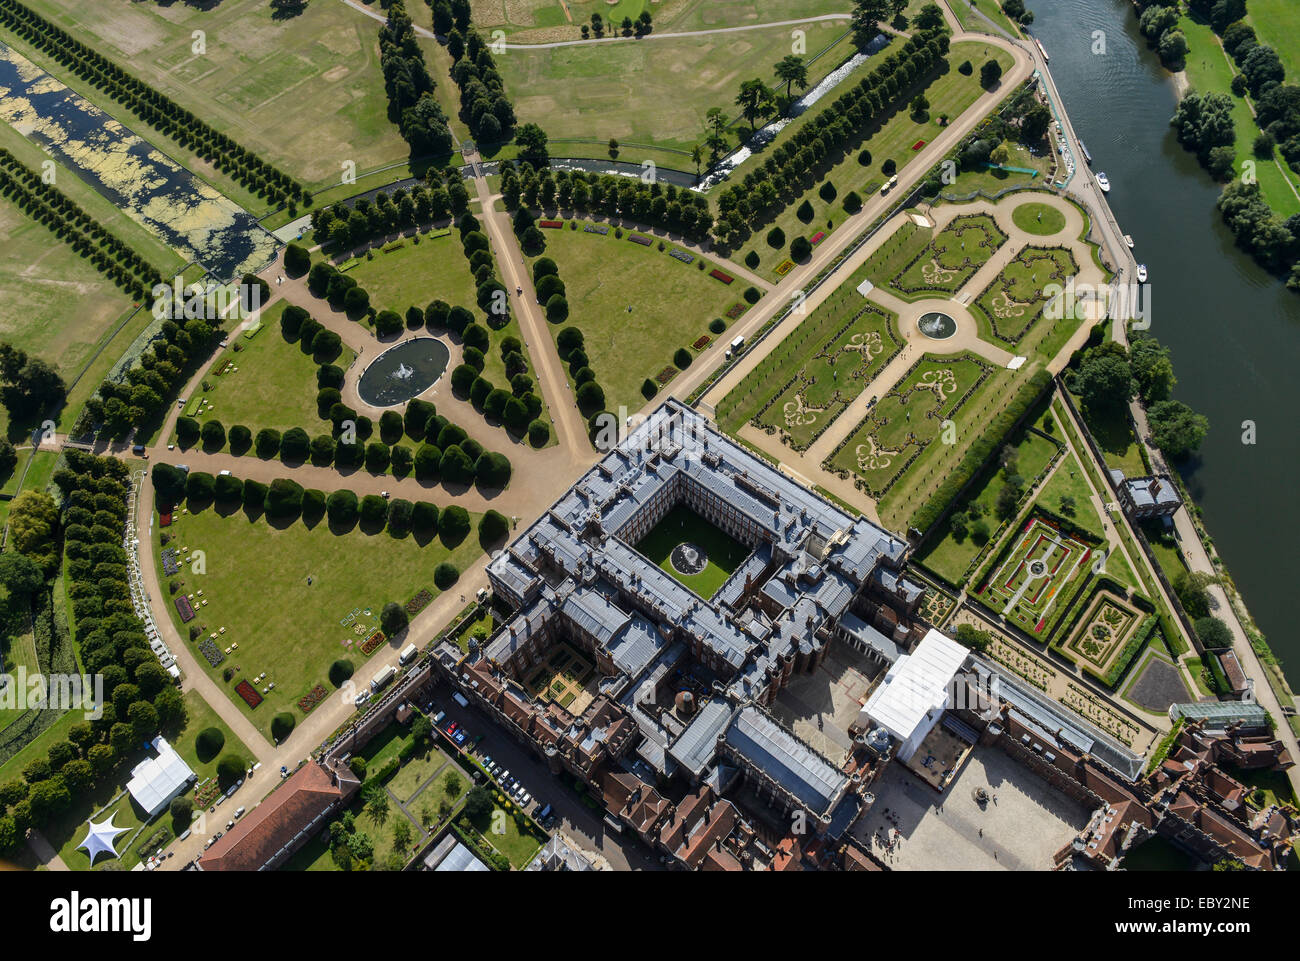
(950, 259)
(1014, 302)
(1036, 575)
(907, 420)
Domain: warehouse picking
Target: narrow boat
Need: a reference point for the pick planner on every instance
(1042, 50)
(1102, 182)
(1128, 240)
(1084, 150)
(1142, 273)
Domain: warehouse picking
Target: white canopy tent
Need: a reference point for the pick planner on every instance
(916, 691)
(100, 839)
(156, 780)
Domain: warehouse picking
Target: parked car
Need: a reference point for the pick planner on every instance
(459, 736)
(451, 728)
(442, 716)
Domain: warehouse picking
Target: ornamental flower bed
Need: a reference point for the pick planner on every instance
(601, 229)
(552, 224)
(716, 274)
(818, 237)
(371, 643)
(185, 609)
(665, 375)
(311, 698)
(682, 255)
(784, 267)
(211, 652)
(639, 239)
(735, 310)
(702, 342)
(248, 693)
(419, 602)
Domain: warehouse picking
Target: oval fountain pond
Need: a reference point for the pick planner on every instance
(937, 326)
(403, 372)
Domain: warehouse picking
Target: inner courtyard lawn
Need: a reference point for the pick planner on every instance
(275, 384)
(681, 525)
(950, 94)
(671, 304)
(256, 588)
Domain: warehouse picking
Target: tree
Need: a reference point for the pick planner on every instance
(28, 385)
(990, 74)
(928, 18)
(478, 803)
(1175, 428)
(1173, 47)
(753, 99)
(793, 72)
(182, 810)
(33, 527)
(1153, 371)
(1213, 632)
(393, 618)
(1190, 587)
(454, 524)
(297, 261)
(1104, 380)
(493, 527)
(530, 140)
(866, 18)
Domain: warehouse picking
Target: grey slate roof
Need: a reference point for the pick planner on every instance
(791, 763)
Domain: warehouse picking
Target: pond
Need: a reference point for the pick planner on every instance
(403, 372)
(937, 325)
(155, 191)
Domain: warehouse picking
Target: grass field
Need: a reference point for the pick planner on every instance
(907, 420)
(286, 628)
(1277, 22)
(1038, 218)
(808, 379)
(963, 11)
(56, 306)
(271, 84)
(653, 92)
(950, 94)
(1114, 435)
(950, 556)
(682, 525)
(1209, 70)
(275, 385)
(671, 306)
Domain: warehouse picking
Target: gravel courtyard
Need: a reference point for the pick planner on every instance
(1020, 829)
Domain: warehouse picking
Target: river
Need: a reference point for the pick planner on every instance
(1233, 330)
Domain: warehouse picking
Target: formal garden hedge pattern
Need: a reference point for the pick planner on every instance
(1013, 301)
(888, 440)
(951, 257)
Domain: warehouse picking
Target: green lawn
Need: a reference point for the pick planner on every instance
(653, 92)
(1209, 70)
(950, 93)
(274, 385)
(287, 629)
(682, 525)
(671, 306)
(963, 10)
(1038, 218)
(1113, 432)
(950, 556)
(1277, 22)
(408, 273)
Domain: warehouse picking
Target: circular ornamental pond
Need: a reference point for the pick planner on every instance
(403, 372)
(937, 326)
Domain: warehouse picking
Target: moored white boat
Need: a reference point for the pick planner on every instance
(1128, 240)
(1102, 182)
(1142, 273)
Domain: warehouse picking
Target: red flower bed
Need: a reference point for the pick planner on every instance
(248, 693)
(312, 698)
(371, 643)
(418, 602)
(165, 520)
(818, 237)
(553, 224)
(735, 310)
(639, 239)
(918, 145)
(702, 342)
(716, 274)
(665, 375)
(185, 609)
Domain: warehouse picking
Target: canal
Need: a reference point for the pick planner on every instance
(1233, 330)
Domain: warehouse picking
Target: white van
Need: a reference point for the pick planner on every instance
(407, 655)
(459, 698)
